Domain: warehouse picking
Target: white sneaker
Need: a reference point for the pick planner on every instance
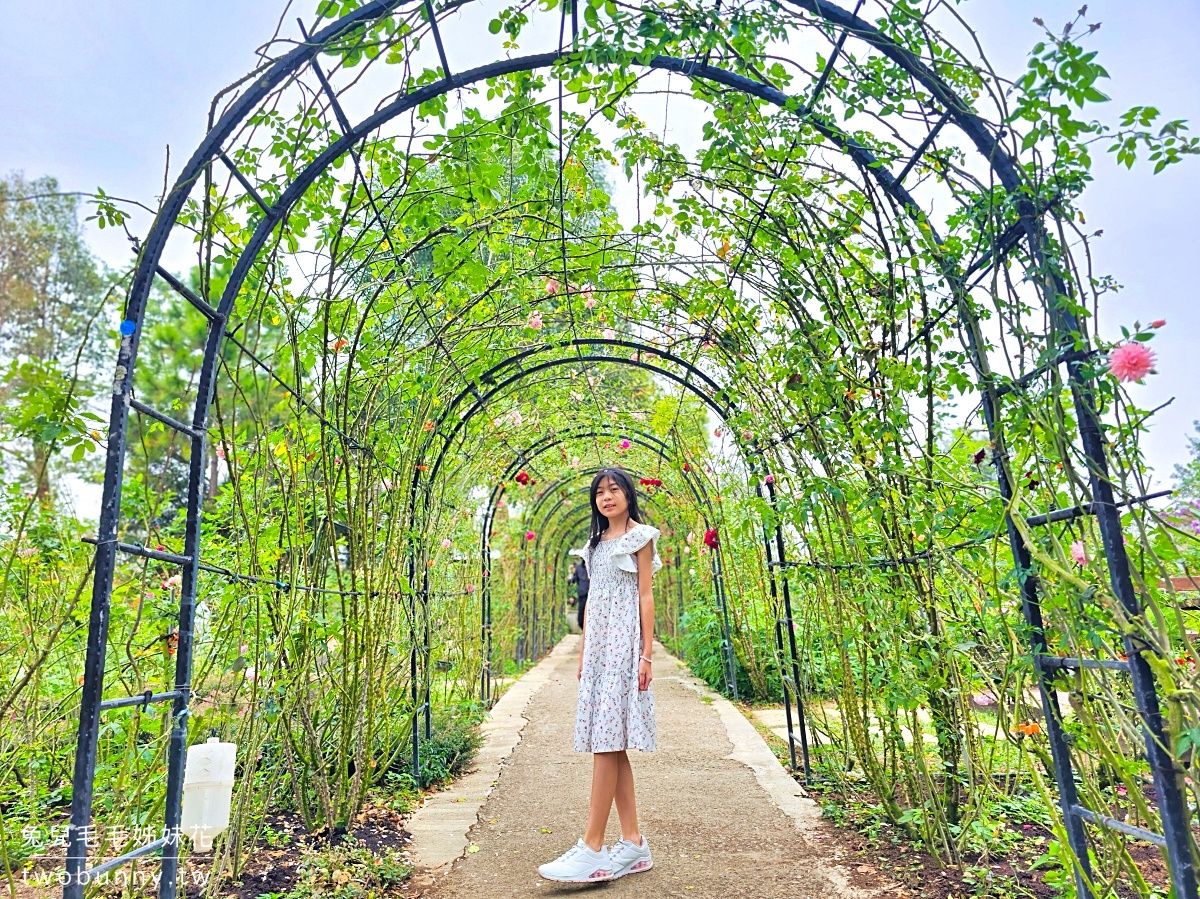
(579, 864)
(630, 858)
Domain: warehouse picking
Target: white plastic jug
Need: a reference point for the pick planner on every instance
(207, 791)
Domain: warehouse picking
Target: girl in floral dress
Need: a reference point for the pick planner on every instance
(616, 707)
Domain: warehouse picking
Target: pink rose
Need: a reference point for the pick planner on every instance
(1131, 361)
(1078, 553)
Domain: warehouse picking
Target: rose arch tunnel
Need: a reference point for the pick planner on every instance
(433, 293)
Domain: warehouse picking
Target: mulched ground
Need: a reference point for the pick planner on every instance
(895, 857)
(273, 868)
(1010, 875)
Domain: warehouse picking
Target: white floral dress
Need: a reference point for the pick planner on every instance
(613, 713)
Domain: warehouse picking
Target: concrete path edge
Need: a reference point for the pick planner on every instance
(439, 827)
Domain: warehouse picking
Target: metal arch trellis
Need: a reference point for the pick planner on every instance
(498, 381)
(646, 440)
(708, 397)
(1173, 811)
(548, 518)
(551, 523)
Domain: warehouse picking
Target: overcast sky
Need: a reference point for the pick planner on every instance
(94, 92)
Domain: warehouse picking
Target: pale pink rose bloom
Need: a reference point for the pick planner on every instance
(608, 334)
(1078, 553)
(1131, 361)
(551, 286)
(535, 321)
(446, 544)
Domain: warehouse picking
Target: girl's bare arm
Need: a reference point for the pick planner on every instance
(645, 561)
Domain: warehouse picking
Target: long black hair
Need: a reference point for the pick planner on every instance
(622, 480)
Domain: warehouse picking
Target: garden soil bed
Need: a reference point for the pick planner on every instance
(895, 857)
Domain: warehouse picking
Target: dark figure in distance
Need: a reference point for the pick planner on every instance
(579, 577)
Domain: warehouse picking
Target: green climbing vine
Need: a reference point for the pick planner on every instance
(749, 322)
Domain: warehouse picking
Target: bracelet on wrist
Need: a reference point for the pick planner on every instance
(648, 660)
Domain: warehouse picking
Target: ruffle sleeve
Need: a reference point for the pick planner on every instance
(627, 545)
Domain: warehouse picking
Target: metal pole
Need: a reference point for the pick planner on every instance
(412, 662)
(1172, 802)
(177, 752)
(718, 575)
(783, 677)
(1031, 608)
(781, 558)
(428, 704)
(536, 563)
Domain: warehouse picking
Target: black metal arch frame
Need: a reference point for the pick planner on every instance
(636, 437)
(544, 519)
(547, 522)
(509, 373)
(586, 350)
(1175, 816)
(560, 529)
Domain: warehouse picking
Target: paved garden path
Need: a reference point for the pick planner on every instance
(722, 816)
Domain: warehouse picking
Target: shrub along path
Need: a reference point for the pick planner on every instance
(722, 816)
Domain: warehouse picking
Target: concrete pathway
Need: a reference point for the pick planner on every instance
(722, 817)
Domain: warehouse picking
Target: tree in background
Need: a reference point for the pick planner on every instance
(51, 300)
(1187, 475)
